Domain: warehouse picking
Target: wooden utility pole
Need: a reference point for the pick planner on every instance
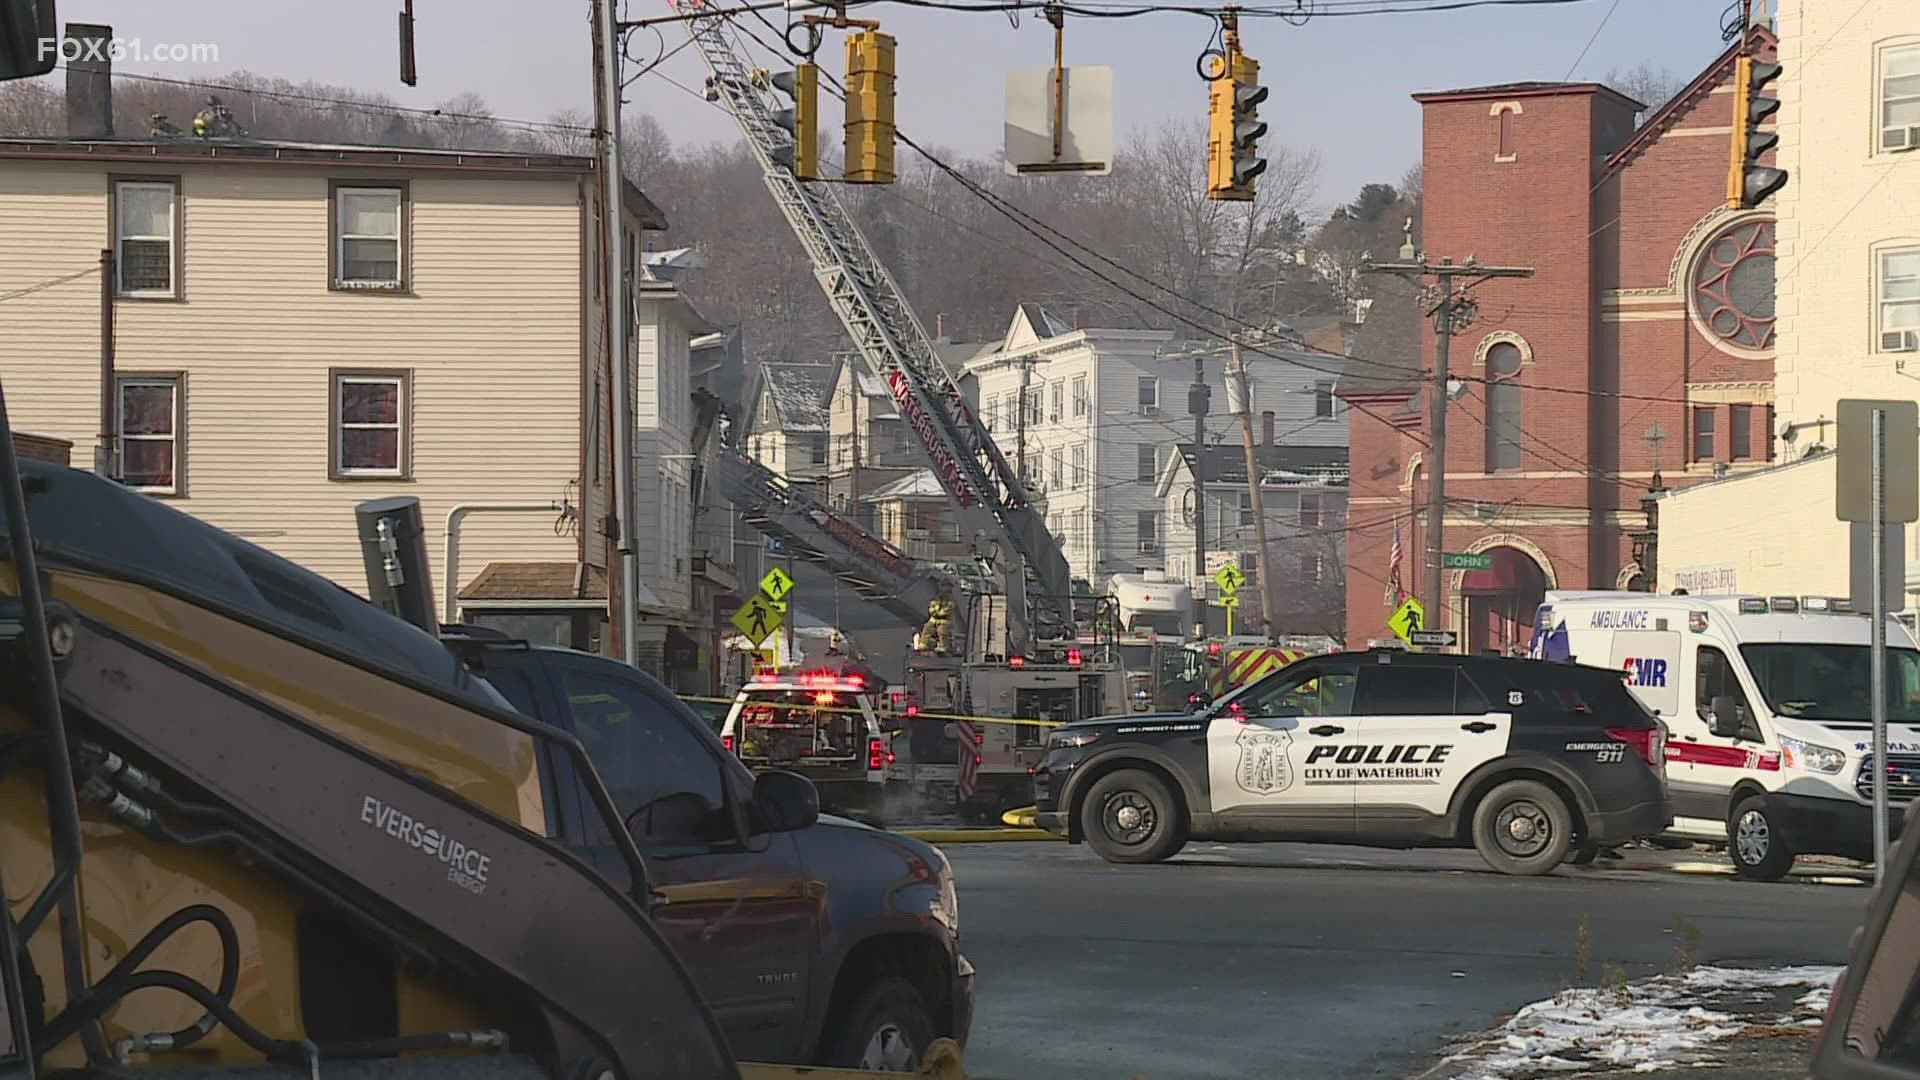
(1240, 403)
(1197, 399)
(853, 474)
(1443, 294)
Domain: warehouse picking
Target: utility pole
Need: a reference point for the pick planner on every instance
(1446, 301)
(853, 475)
(106, 456)
(1197, 397)
(1240, 403)
(606, 123)
(1020, 423)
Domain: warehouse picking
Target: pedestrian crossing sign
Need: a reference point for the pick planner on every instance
(1229, 579)
(777, 584)
(757, 619)
(1407, 618)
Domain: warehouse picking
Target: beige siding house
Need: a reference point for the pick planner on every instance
(295, 329)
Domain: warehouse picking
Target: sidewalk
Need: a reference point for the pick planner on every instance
(1744, 1023)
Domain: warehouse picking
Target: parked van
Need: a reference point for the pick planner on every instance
(1767, 704)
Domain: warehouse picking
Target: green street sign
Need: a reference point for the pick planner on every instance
(1459, 560)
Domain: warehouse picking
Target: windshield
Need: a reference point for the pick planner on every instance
(1160, 622)
(1829, 682)
(1136, 659)
(800, 725)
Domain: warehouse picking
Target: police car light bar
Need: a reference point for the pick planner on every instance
(1783, 604)
(1813, 603)
(1753, 605)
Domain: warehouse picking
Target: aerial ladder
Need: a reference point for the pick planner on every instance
(1007, 534)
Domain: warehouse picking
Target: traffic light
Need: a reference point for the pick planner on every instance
(1234, 128)
(802, 84)
(869, 123)
(1748, 182)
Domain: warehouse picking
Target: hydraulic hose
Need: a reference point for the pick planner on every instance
(104, 997)
(229, 963)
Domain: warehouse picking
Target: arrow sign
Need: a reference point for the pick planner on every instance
(1433, 639)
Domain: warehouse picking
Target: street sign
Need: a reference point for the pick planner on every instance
(1084, 110)
(1433, 639)
(1460, 560)
(1229, 579)
(757, 619)
(1407, 618)
(1229, 601)
(1900, 435)
(776, 584)
(1893, 590)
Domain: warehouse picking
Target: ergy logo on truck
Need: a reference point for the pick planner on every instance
(466, 867)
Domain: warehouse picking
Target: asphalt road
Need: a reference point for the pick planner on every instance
(1288, 960)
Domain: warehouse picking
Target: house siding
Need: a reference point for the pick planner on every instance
(490, 332)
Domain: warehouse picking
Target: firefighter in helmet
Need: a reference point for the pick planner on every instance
(936, 636)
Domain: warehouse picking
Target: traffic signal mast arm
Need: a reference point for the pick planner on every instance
(991, 502)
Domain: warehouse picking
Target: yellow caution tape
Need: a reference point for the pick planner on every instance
(1033, 721)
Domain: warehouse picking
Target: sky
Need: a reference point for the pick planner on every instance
(1340, 85)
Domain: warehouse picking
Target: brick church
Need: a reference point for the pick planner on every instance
(1642, 345)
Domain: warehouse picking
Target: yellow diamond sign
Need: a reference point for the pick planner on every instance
(1229, 579)
(757, 619)
(1407, 618)
(776, 584)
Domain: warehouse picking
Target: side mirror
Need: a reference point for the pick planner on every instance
(1726, 716)
(30, 40)
(1870, 1030)
(782, 802)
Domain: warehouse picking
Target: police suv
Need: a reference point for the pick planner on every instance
(1522, 760)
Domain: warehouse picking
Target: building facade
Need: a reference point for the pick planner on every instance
(1641, 345)
(786, 427)
(291, 330)
(1092, 416)
(1303, 499)
(1849, 304)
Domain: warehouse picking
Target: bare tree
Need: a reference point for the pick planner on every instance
(645, 149)
(568, 131)
(1650, 86)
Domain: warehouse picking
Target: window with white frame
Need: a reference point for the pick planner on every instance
(1057, 392)
(1147, 463)
(1310, 515)
(150, 412)
(1056, 460)
(1147, 528)
(369, 421)
(144, 229)
(1080, 465)
(1081, 404)
(1323, 398)
(1149, 394)
(1900, 98)
(1033, 405)
(990, 412)
(1246, 508)
(367, 237)
(1900, 300)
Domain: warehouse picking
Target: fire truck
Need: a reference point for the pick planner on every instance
(1223, 664)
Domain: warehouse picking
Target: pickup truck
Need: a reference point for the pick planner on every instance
(833, 945)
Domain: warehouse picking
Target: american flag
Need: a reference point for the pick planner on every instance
(1393, 567)
(969, 758)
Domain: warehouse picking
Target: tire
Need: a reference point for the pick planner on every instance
(1129, 816)
(1754, 842)
(1522, 828)
(886, 1029)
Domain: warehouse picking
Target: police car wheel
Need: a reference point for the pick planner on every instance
(1129, 816)
(1758, 850)
(1523, 828)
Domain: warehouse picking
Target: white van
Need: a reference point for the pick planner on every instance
(1766, 700)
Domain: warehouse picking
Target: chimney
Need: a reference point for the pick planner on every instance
(89, 82)
(940, 325)
(1266, 428)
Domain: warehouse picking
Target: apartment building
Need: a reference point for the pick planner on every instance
(1847, 298)
(290, 330)
(786, 427)
(1092, 415)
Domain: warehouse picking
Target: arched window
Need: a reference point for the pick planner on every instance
(1503, 406)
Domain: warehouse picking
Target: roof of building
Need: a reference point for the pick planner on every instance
(1386, 356)
(536, 581)
(1653, 127)
(799, 395)
(920, 484)
(956, 354)
(1533, 88)
(113, 152)
(1280, 465)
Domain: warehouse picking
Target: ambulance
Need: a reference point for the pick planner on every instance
(1770, 737)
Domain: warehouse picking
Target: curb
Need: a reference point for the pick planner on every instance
(979, 836)
(1713, 869)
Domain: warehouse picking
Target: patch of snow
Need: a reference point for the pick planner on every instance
(1666, 1022)
(1819, 976)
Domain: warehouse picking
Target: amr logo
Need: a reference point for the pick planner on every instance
(1646, 670)
(1263, 768)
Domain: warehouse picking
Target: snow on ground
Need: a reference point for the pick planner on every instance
(1657, 1023)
